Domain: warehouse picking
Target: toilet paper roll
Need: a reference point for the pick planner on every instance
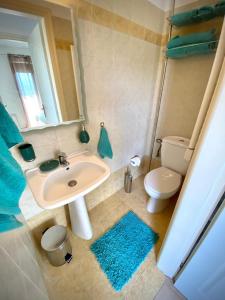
(135, 161)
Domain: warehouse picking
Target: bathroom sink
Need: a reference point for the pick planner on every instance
(63, 185)
(68, 185)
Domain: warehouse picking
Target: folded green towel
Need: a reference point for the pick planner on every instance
(197, 15)
(104, 146)
(185, 51)
(204, 13)
(193, 38)
(220, 8)
(182, 18)
(8, 129)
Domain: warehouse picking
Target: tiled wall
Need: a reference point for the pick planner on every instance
(184, 88)
(139, 19)
(138, 12)
(120, 51)
(21, 276)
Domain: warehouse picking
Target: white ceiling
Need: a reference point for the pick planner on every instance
(166, 4)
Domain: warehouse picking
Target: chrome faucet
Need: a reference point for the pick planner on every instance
(62, 159)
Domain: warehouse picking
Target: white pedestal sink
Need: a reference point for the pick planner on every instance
(69, 185)
(80, 222)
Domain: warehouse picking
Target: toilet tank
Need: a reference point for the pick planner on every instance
(172, 153)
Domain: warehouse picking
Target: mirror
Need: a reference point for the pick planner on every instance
(39, 67)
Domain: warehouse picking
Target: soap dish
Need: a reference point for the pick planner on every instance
(49, 165)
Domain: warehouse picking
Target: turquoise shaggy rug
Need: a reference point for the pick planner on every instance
(122, 249)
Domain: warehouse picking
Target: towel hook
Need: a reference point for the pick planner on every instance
(102, 124)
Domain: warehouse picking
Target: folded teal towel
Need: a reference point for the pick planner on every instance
(193, 38)
(185, 51)
(197, 15)
(104, 146)
(182, 18)
(12, 180)
(220, 8)
(8, 129)
(204, 13)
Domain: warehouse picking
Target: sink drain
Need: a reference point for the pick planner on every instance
(72, 183)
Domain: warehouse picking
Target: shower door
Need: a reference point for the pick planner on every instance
(203, 278)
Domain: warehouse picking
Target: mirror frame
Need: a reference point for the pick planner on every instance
(23, 8)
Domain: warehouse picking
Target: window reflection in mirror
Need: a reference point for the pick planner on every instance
(23, 73)
(27, 87)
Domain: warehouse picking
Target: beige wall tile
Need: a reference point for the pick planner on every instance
(112, 14)
(184, 88)
(85, 10)
(21, 277)
(137, 31)
(102, 17)
(141, 12)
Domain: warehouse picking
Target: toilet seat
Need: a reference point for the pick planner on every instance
(162, 183)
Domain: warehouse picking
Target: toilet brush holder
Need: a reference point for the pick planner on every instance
(128, 178)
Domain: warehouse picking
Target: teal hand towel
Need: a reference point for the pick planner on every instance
(200, 37)
(185, 51)
(104, 146)
(8, 129)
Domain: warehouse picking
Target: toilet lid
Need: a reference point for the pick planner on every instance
(163, 180)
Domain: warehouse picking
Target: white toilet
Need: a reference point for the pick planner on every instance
(162, 183)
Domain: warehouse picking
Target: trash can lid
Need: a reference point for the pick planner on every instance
(53, 237)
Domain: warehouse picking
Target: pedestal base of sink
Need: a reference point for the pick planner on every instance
(79, 218)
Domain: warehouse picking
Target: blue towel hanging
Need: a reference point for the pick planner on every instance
(12, 180)
(9, 223)
(104, 146)
(8, 129)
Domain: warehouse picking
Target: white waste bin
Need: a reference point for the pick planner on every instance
(57, 245)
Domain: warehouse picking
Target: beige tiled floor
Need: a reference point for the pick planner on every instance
(169, 292)
(83, 279)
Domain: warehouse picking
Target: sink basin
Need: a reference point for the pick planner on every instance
(69, 185)
(61, 186)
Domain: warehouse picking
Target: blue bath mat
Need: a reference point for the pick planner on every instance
(122, 249)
